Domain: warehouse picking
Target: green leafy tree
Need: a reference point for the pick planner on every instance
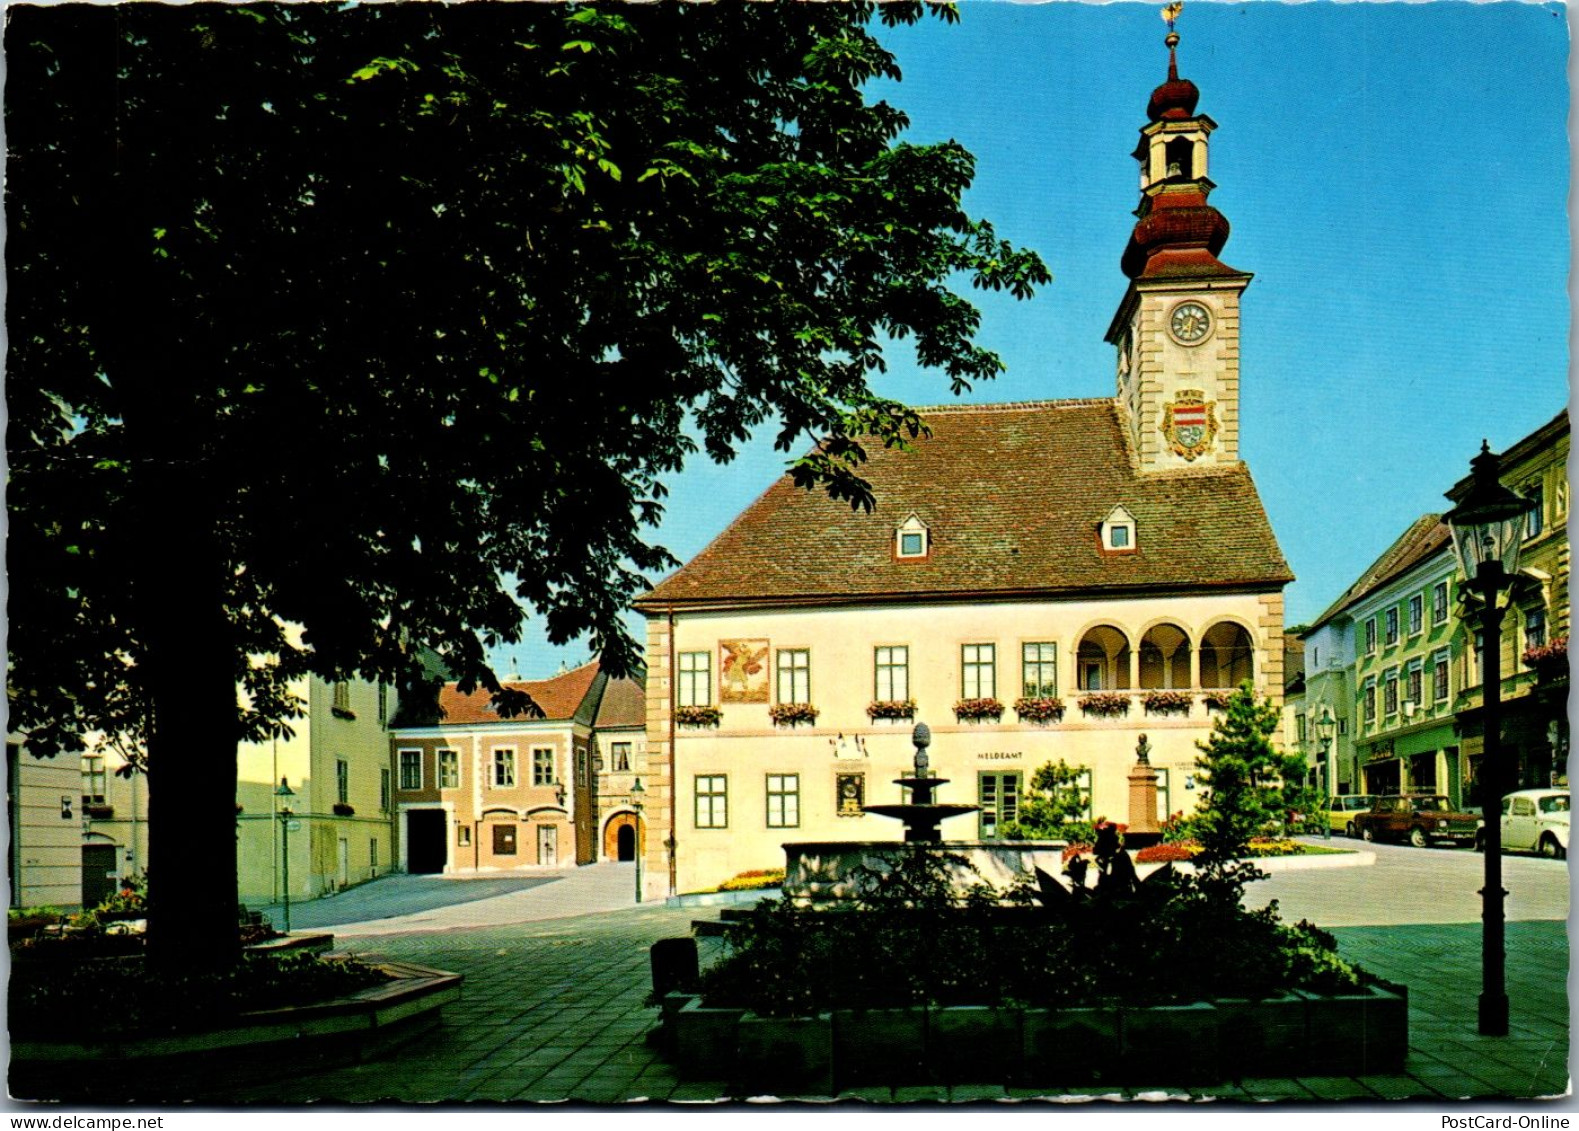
(1053, 806)
(380, 322)
(1247, 779)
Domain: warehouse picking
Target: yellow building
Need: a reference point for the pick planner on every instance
(46, 854)
(1534, 645)
(1039, 581)
(336, 765)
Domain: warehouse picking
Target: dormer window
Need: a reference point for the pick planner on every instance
(1118, 532)
(912, 540)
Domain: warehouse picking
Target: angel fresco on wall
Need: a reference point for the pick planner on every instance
(743, 671)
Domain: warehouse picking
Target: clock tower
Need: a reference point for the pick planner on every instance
(1177, 329)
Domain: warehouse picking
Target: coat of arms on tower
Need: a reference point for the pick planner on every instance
(1189, 423)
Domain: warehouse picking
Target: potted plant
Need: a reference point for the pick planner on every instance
(975, 710)
(1105, 704)
(697, 716)
(793, 714)
(1167, 702)
(1039, 708)
(891, 709)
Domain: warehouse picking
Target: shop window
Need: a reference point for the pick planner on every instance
(504, 840)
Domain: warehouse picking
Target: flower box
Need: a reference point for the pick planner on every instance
(784, 1056)
(103, 812)
(1167, 702)
(1105, 704)
(1039, 709)
(976, 710)
(891, 709)
(1216, 700)
(1549, 657)
(697, 716)
(881, 1044)
(341, 809)
(793, 714)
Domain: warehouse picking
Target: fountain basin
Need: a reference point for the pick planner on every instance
(824, 872)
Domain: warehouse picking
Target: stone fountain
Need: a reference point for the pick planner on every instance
(823, 872)
(921, 815)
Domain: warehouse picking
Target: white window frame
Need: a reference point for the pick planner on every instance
(1370, 636)
(1120, 519)
(342, 781)
(448, 759)
(1390, 626)
(620, 756)
(1442, 662)
(912, 528)
(1416, 614)
(1046, 657)
(538, 778)
(1439, 597)
(1390, 693)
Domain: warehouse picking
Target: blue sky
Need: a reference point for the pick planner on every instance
(1396, 177)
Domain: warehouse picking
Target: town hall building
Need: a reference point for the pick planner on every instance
(1039, 581)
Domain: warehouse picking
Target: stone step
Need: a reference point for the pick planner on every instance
(707, 928)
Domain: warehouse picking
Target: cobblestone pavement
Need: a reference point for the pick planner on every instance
(553, 1010)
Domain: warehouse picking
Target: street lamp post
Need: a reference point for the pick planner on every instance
(1488, 526)
(286, 793)
(1326, 727)
(636, 794)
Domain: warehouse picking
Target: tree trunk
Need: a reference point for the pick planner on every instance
(180, 579)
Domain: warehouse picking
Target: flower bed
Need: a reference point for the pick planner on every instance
(697, 716)
(1039, 709)
(891, 709)
(754, 880)
(792, 714)
(978, 710)
(1104, 704)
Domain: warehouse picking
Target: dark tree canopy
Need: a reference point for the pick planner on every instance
(385, 321)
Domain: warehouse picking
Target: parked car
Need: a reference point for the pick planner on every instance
(1533, 820)
(1344, 808)
(1418, 819)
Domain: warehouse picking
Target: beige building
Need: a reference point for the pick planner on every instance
(1039, 581)
(336, 765)
(45, 824)
(477, 792)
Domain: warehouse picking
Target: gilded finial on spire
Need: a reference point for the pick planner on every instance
(1171, 13)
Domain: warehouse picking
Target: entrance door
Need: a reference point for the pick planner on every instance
(547, 844)
(345, 863)
(98, 873)
(626, 843)
(427, 845)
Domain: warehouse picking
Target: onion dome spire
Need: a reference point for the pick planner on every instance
(1177, 97)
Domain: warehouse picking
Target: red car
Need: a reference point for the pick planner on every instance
(1418, 819)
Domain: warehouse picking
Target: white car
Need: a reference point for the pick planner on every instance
(1534, 820)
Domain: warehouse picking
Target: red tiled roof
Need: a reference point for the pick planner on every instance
(559, 698)
(624, 704)
(1013, 496)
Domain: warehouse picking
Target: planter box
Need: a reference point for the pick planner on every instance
(317, 943)
(1100, 1046)
(704, 1039)
(1351, 1034)
(1068, 1046)
(785, 1056)
(1266, 1037)
(970, 1043)
(256, 1046)
(880, 1044)
(1170, 1044)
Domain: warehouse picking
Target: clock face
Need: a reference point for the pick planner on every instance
(1190, 322)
